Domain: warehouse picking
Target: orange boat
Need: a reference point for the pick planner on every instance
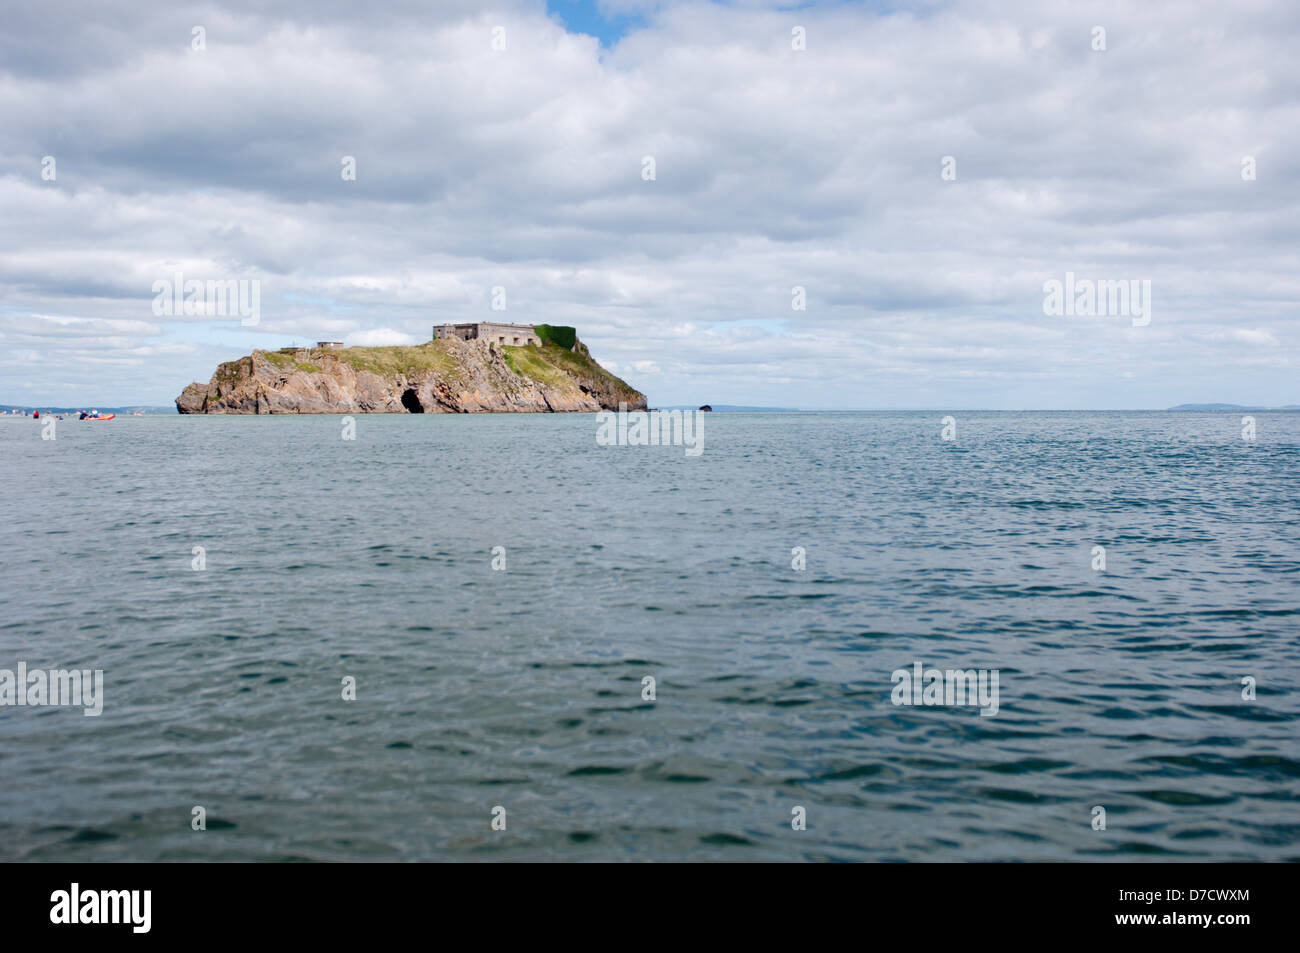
(102, 417)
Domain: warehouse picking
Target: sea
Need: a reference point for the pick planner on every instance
(491, 637)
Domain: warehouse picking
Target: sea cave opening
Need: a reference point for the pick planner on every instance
(411, 402)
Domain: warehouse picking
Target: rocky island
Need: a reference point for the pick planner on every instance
(463, 370)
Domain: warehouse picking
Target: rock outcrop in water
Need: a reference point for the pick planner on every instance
(445, 376)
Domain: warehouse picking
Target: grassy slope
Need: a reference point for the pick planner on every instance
(554, 364)
(529, 362)
(392, 361)
(549, 364)
(384, 361)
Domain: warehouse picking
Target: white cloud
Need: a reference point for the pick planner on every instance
(378, 337)
(1255, 336)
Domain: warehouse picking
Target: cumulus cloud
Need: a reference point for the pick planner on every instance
(378, 337)
(775, 169)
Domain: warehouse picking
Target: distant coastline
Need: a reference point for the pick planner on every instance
(1232, 407)
(123, 411)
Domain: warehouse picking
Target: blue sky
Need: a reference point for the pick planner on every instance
(594, 19)
(800, 242)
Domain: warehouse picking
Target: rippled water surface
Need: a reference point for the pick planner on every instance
(523, 688)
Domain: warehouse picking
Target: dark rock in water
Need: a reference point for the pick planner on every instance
(707, 408)
(440, 377)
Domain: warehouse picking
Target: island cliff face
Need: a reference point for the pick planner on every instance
(444, 376)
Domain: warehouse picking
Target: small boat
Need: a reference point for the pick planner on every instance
(101, 416)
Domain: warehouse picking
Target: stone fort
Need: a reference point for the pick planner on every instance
(493, 333)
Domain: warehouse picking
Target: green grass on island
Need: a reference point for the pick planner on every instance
(399, 360)
(556, 362)
(384, 361)
(531, 362)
